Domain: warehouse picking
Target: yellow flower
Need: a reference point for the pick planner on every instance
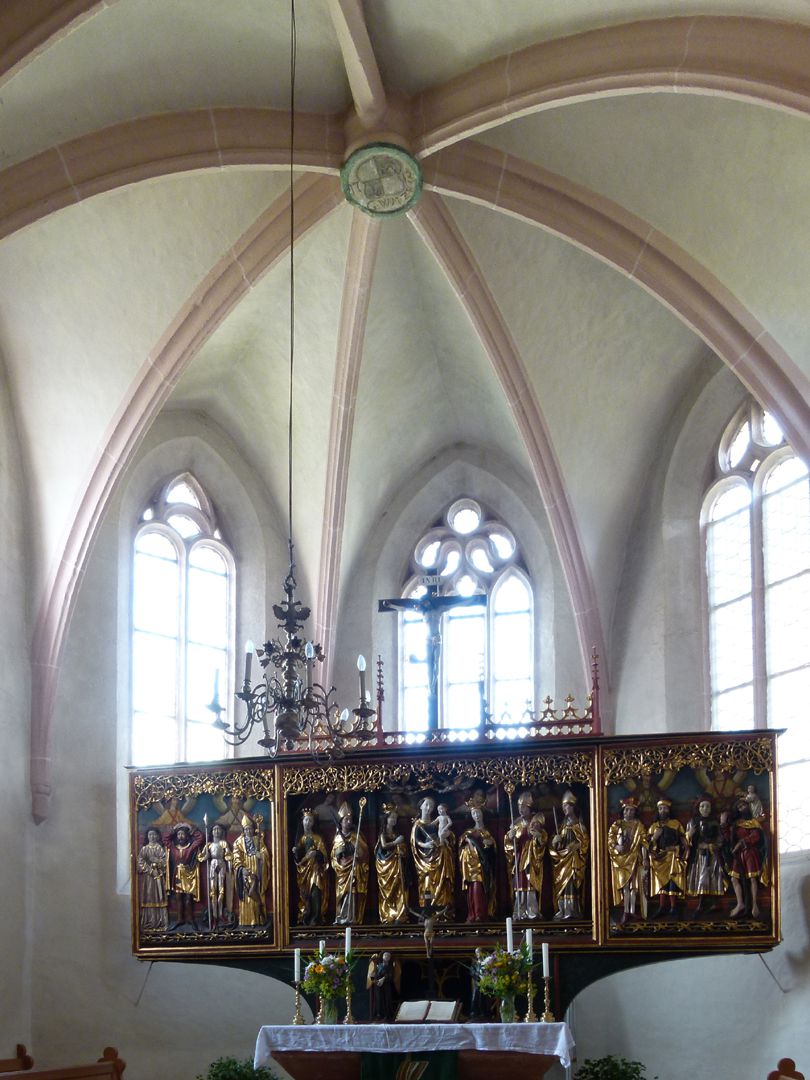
(319, 969)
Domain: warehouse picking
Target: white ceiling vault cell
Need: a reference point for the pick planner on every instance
(569, 156)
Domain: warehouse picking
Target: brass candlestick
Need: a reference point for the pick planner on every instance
(531, 1015)
(548, 1015)
(299, 1016)
(349, 1018)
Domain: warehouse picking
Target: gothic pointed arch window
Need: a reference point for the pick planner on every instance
(484, 661)
(182, 627)
(755, 528)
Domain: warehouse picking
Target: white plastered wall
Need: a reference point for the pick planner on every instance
(17, 834)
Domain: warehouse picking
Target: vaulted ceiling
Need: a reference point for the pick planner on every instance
(614, 204)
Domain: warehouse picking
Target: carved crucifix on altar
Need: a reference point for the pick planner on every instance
(432, 606)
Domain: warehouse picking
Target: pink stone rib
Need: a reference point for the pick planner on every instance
(160, 146)
(439, 232)
(758, 59)
(27, 28)
(362, 256)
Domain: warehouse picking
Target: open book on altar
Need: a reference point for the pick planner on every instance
(417, 1012)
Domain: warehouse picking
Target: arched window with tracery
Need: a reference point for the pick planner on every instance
(182, 627)
(756, 534)
(486, 652)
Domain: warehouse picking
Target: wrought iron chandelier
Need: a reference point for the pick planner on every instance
(295, 711)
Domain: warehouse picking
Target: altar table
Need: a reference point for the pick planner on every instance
(485, 1051)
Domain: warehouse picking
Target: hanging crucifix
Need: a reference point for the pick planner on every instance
(432, 607)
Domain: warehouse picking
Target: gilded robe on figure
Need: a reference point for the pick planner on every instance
(434, 859)
(351, 873)
(390, 859)
(251, 869)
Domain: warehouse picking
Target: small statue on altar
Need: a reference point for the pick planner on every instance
(382, 983)
(525, 847)
(390, 855)
(433, 858)
(477, 862)
(568, 852)
(480, 1004)
(251, 869)
(668, 853)
(628, 850)
(311, 871)
(350, 859)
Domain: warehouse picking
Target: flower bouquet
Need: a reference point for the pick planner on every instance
(329, 976)
(502, 974)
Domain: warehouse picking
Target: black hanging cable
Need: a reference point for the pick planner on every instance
(293, 45)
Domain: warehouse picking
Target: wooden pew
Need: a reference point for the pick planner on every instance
(109, 1065)
(20, 1063)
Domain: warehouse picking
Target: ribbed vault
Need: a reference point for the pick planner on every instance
(598, 247)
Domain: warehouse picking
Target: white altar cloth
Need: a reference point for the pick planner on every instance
(549, 1039)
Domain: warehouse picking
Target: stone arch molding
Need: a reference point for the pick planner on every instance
(759, 60)
(762, 61)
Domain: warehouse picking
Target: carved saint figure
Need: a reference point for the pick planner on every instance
(217, 854)
(351, 872)
(525, 847)
(749, 859)
(183, 876)
(705, 875)
(433, 858)
(569, 860)
(251, 869)
(668, 852)
(152, 882)
(390, 854)
(311, 871)
(628, 850)
(476, 856)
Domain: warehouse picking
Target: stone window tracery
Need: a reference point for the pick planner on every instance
(182, 628)
(756, 536)
(486, 654)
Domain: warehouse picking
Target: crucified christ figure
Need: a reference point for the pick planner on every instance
(432, 607)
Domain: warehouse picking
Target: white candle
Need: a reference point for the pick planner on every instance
(545, 961)
(309, 652)
(297, 965)
(248, 661)
(361, 667)
(529, 943)
(321, 948)
(510, 941)
(348, 943)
